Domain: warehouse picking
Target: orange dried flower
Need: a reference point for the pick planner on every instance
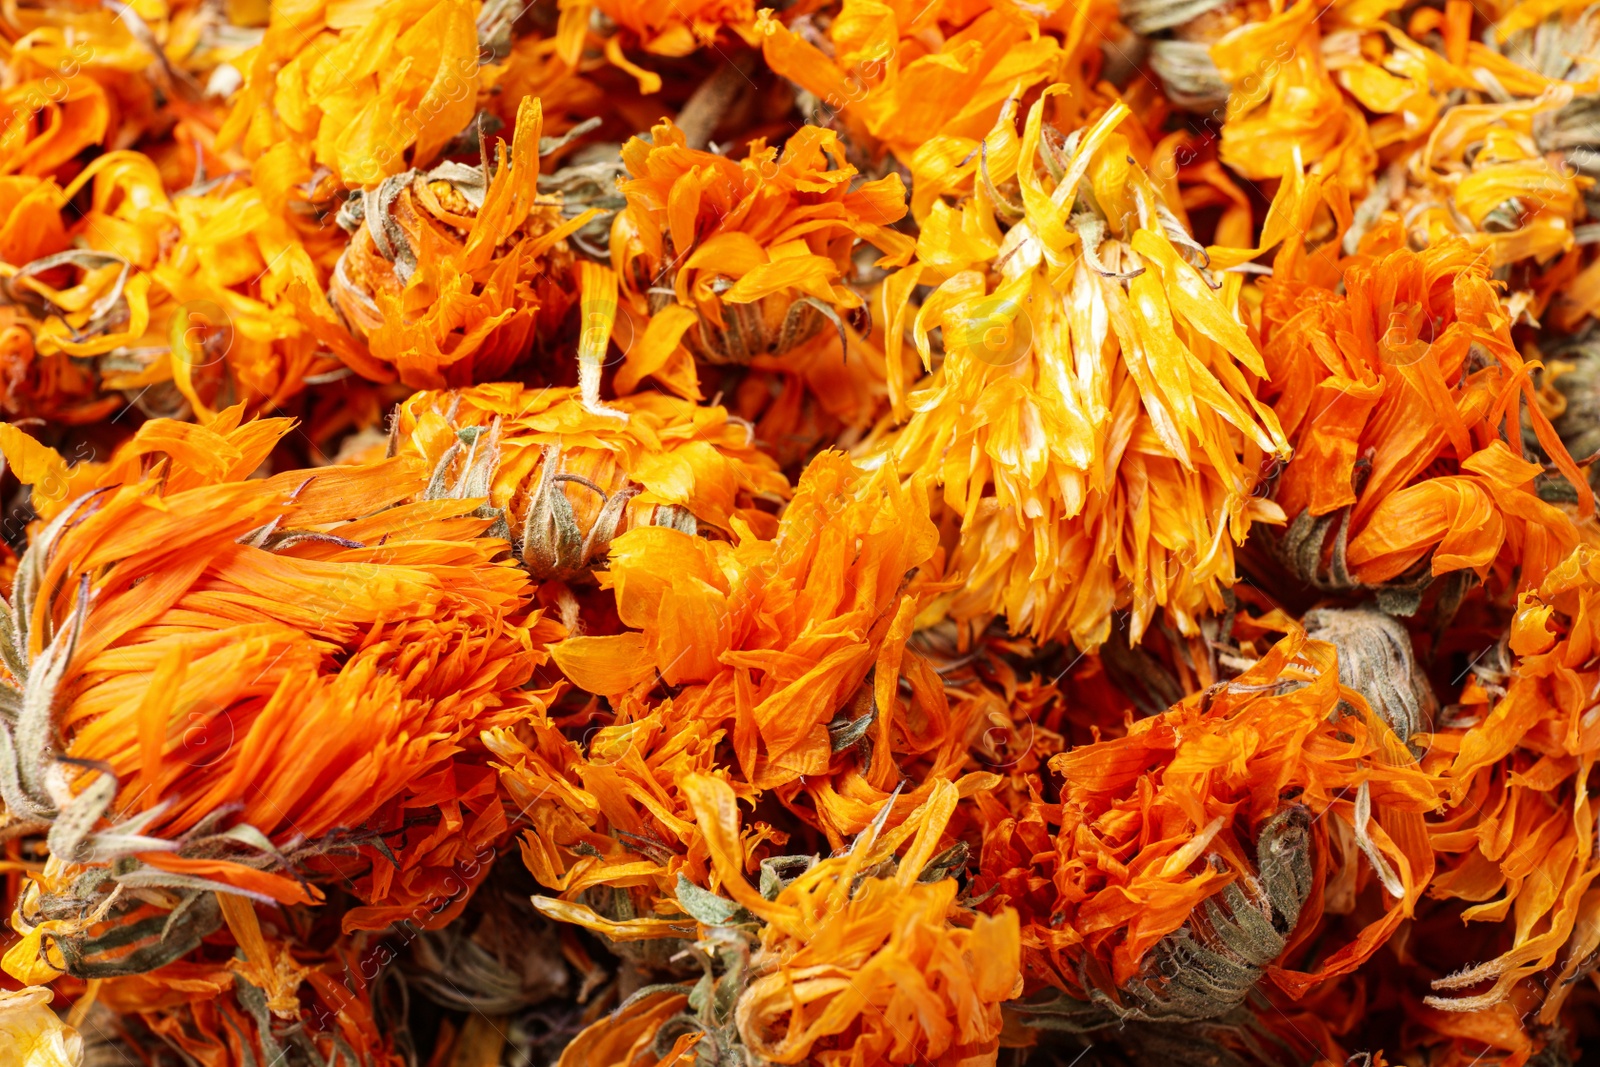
(1485, 174)
(366, 93)
(568, 481)
(1396, 422)
(1093, 420)
(781, 663)
(452, 275)
(176, 300)
(769, 639)
(913, 76)
(866, 953)
(1284, 106)
(1517, 834)
(738, 259)
(260, 682)
(1154, 824)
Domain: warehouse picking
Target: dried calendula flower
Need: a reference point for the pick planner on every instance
(1146, 839)
(780, 663)
(31, 1035)
(1065, 419)
(609, 828)
(566, 481)
(105, 75)
(366, 91)
(246, 685)
(824, 607)
(1335, 85)
(1284, 104)
(174, 301)
(742, 258)
(904, 75)
(309, 1005)
(451, 275)
(669, 28)
(1485, 173)
(1208, 967)
(818, 395)
(868, 951)
(1402, 465)
(1502, 1032)
(50, 385)
(1526, 757)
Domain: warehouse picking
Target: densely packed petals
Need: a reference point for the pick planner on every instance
(691, 533)
(1399, 452)
(187, 629)
(1076, 420)
(749, 258)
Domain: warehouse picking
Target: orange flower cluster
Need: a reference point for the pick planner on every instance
(611, 533)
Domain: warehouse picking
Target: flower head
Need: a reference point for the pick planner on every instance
(175, 301)
(908, 76)
(1094, 403)
(1396, 423)
(256, 683)
(780, 664)
(1519, 745)
(452, 275)
(772, 639)
(568, 481)
(745, 258)
(366, 96)
(868, 952)
(1152, 888)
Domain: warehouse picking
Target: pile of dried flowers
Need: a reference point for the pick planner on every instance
(619, 533)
